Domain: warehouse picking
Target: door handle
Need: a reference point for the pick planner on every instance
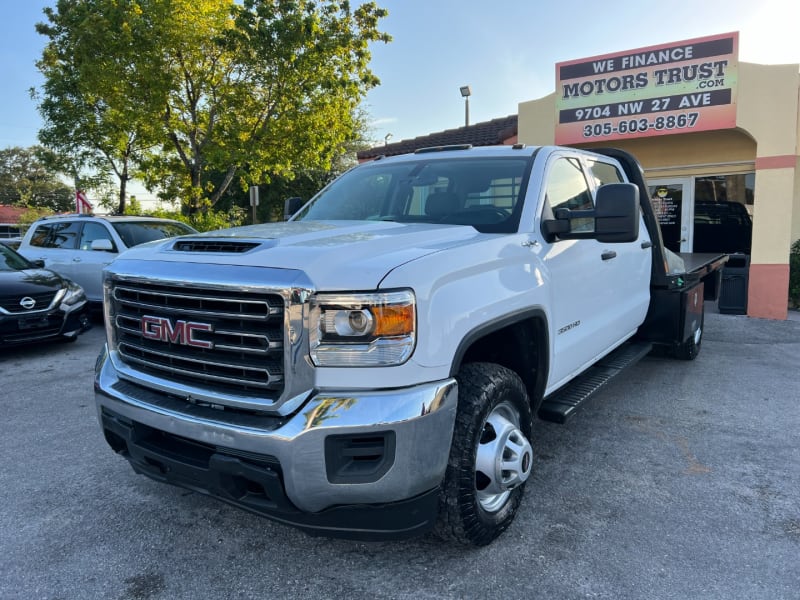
(608, 255)
(76, 259)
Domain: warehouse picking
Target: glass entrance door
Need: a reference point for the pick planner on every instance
(673, 203)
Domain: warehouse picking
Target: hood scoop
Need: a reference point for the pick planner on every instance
(218, 245)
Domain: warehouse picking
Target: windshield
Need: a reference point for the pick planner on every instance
(134, 233)
(11, 261)
(481, 192)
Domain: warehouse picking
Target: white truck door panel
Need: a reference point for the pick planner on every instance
(600, 291)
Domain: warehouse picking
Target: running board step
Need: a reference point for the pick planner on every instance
(561, 405)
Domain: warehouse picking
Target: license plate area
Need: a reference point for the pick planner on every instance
(38, 322)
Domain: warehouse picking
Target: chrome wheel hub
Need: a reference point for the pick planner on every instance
(504, 458)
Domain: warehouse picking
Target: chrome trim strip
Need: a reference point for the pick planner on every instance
(188, 359)
(265, 385)
(271, 346)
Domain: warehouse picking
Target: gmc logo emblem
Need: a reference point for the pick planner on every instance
(182, 332)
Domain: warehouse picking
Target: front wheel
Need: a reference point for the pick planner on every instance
(490, 457)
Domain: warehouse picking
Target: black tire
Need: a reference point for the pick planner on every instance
(493, 420)
(689, 349)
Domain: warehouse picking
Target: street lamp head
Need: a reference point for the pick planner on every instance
(465, 91)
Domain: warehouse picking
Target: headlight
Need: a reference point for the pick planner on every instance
(73, 295)
(362, 330)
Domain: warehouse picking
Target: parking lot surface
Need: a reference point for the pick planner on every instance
(680, 480)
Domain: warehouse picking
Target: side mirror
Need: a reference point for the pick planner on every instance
(616, 213)
(615, 217)
(37, 264)
(291, 206)
(104, 245)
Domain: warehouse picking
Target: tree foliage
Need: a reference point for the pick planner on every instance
(26, 180)
(181, 91)
(103, 84)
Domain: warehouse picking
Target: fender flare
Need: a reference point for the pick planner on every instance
(484, 329)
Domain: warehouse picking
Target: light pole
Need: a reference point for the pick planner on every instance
(386, 139)
(466, 92)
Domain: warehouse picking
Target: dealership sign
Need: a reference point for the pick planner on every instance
(673, 88)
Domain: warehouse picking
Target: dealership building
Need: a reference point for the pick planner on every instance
(711, 133)
(717, 138)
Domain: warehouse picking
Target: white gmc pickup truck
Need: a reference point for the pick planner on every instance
(371, 367)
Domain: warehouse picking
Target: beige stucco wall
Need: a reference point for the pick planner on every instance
(767, 106)
(796, 209)
(536, 122)
(768, 110)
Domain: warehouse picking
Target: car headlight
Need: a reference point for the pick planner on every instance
(362, 330)
(73, 295)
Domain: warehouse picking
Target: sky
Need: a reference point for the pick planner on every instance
(505, 50)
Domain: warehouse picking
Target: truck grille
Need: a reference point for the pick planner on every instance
(228, 342)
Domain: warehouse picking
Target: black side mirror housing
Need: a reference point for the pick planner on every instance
(617, 213)
(616, 217)
(291, 206)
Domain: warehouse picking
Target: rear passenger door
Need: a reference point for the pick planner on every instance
(88, 264)
(56, 244)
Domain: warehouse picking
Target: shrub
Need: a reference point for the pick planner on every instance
(794, 275)
(204, 221)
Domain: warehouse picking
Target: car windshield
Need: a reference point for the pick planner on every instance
(481, 192)
(134, 233)
(11, 261)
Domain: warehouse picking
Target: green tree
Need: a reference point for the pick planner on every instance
(273, 90)
(180, 90)
(301, 182)
(26, 180)
(104, 86)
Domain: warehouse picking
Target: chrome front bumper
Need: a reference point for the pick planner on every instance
(417, 422)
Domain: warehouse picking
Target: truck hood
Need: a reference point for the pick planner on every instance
(334, 255)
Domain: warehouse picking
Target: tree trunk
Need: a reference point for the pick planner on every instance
(123, 184)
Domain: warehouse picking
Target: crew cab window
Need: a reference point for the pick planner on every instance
(604, 173)
(567, 188)
(63, 234)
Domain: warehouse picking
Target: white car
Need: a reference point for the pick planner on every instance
(80, 246)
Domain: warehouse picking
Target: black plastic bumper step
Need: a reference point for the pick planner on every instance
(561, 405)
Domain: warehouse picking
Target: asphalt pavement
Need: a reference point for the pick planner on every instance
(680, 480)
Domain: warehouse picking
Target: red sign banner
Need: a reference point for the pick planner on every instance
(82, 204)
